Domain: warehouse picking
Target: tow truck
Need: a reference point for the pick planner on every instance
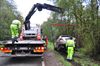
(30, 43)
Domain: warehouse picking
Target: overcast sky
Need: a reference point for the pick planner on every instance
(24, 7)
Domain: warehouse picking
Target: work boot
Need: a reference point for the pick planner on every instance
(14, 40)
(69, 60)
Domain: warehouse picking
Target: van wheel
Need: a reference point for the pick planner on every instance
(55, 48)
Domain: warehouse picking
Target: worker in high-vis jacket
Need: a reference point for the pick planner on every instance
(15, 27)
(70, 44)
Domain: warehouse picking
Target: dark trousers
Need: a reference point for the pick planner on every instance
(14, 40)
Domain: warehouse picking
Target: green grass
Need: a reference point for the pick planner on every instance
(84, 60)
(50, 46)
(62, 60)
(58, 56)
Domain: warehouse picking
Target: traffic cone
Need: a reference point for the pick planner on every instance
(21, 37)
(38, 37)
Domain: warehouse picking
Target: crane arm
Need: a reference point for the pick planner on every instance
(39, 7)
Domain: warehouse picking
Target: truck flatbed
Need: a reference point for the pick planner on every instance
(24, 48)
(23, 42)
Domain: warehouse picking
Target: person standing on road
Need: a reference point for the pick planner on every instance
(15, 29)
(70, 44)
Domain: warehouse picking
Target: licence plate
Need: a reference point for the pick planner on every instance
(23, 48)
(7, 54)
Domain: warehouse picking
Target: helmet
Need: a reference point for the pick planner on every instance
(15, 21)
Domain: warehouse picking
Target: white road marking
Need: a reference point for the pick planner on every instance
(43, 64)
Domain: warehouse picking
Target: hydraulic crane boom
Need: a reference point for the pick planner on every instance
(39, 7)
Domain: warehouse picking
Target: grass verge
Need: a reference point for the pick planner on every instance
(58, 56)
(84, 60)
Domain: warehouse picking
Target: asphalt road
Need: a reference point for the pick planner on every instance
(20, 61)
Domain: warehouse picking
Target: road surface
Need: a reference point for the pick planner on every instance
(21, 61)
(49, 60)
